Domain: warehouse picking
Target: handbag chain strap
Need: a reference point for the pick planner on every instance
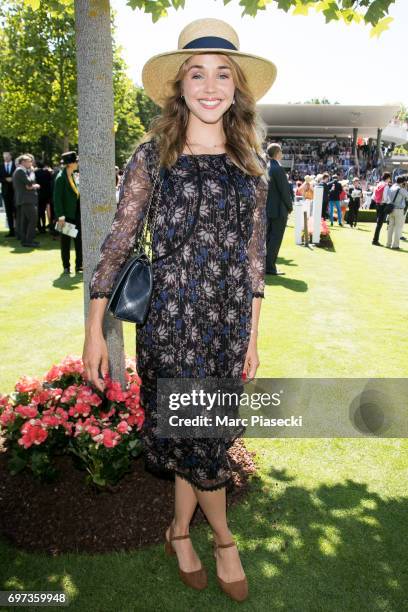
(142, 242)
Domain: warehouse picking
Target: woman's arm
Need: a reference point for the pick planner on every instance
(116, 247)
(133, 199)
(256, 256)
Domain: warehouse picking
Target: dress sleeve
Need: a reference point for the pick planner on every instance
(133, 199)
(257, 243)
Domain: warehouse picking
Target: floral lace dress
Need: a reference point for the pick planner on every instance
(208, 263)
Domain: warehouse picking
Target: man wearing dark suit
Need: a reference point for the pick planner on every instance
(26, 193)
(278, 205)
(6, 173)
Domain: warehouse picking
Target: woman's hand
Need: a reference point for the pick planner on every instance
(251, 360)
(95, 359)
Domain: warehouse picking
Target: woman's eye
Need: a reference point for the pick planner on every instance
(225, 75)
(196, 75)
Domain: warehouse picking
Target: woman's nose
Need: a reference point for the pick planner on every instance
(210, 84)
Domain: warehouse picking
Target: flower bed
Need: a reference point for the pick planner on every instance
(61, 414)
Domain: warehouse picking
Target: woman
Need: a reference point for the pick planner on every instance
(209, 280)
(355, 194)
(306, 190)
(307, 187)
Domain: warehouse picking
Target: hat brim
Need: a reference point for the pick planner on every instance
(159, 69)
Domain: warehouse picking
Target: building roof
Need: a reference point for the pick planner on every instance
(325, 120)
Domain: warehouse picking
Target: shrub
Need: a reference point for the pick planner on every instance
(61, 414)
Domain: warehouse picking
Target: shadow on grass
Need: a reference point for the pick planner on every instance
(68, 282)
(338, 548)
(286, 262)
(46, 243)
(289, 283)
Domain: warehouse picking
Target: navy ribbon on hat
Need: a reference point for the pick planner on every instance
(210, 42)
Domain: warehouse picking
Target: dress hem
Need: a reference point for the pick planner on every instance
(169, 474)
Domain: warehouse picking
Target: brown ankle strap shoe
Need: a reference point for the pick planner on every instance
(237, 590)
(197, 579)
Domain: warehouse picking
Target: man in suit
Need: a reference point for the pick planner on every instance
(278, 205)
(67, 209)
(7, 169)
(26, 195)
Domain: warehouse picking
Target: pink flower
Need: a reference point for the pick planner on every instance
(33, 433)
(26, 384)
(92, 430)
(324, 229)
(62, 413)
(106, 415)
(72, 364)
(137, 418)
(53, 374)
(4, 400)
(50, 420)
(68, 394)
(27, 412)
(87, 396)
(115, 392)
(123, 427)
(79, 427)
(110, 438)
(79, 408)
(41, 397)
(7, 416)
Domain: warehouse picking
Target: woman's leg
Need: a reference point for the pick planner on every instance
(213, 504)
(185, 502)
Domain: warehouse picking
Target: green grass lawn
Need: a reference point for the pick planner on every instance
(325, 525)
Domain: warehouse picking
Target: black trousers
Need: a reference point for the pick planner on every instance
(381, 215)
(275, 230)
(8, 198)
(353, 213)
(66, 243)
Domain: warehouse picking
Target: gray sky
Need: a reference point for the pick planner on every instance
(314, 59)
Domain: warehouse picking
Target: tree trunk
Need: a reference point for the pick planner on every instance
(96, 144)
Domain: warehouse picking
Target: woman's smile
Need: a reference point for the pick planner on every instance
(210, 103)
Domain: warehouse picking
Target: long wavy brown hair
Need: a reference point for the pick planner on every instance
(242, 125)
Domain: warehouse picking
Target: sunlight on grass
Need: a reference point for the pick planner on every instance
(326, 518)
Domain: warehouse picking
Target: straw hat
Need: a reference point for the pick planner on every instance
(206, 36)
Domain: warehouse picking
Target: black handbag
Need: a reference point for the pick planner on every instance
(132, 291)
(389, 207)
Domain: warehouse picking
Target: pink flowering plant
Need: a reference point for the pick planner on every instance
(62, 414)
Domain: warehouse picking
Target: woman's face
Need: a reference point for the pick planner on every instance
(208, 87)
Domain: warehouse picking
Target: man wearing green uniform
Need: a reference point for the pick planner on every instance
(67, 209)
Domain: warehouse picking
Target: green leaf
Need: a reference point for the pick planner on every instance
(98, 480)
(16, 463)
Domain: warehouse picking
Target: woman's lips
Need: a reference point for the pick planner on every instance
(209, 104)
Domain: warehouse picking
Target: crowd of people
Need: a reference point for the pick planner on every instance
(315, 156)
(37, 197)
(40, 198)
